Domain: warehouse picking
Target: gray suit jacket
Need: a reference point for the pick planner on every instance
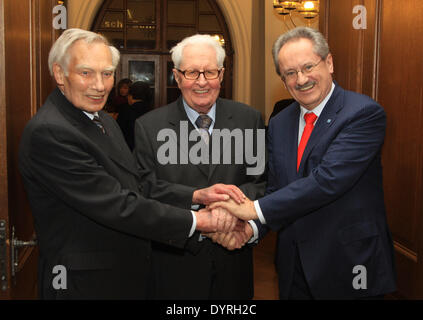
(188, 273)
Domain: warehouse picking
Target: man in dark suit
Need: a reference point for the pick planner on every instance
(206, 270)
(140, 101)
(324, 193)
(85, 190)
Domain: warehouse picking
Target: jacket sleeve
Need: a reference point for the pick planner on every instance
(58, 161)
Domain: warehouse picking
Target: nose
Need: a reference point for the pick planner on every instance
(301, 78)
(202, 81)
(98, 82)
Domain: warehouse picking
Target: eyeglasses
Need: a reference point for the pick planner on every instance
(292, 75)
(195, 74)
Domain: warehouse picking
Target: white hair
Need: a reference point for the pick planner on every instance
(177, 51)
(59, 52)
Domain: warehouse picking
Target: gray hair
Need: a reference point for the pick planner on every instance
(177, 50)
(320, 45)
(59, 52)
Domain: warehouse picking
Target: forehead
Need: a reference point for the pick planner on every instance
(197, 55)
(95, 54)
(296, 52)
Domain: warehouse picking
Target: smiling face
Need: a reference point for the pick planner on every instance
(90, 75)
(199, 94)
(311, 89)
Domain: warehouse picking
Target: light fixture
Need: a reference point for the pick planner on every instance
(305, 9)
(219, 38)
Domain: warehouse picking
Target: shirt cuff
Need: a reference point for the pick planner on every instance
(259, 213)
(254, 237)
(194, 224)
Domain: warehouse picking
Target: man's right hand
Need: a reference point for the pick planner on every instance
(218, 192)
(217, 220)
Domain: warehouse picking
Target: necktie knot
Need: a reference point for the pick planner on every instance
(98, 123)
(203, 121)
(310, 118)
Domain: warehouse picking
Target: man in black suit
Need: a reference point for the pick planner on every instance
(206, 270)
(140, 101)
(85, 190)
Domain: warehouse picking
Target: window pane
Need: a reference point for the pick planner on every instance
(112, 20)
(182, 12)
(116, 4)
(115, 38)
(141, 36)
(204, 6)
(142, 71)
(170, 77)
(208, 23)
(141, 11)
(176, 34)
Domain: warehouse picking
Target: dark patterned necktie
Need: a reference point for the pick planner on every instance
(203, 123)
(99, 124)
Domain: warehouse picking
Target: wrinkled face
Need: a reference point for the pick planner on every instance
(308, 89)
(90, 75)
(199, 94)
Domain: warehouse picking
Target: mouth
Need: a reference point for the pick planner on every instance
(201, 91)
(96, 98)
(306, 87)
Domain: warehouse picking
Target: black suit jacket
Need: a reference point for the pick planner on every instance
(86, 196)
(332, 209)
(188, 274)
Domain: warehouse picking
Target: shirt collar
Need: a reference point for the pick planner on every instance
(90, 115)
(193, 115)
(318, 110)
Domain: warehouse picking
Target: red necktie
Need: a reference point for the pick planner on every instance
(309, 119)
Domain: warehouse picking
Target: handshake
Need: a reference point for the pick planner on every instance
(224, 220)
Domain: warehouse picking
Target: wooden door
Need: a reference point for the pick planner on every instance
(385, 62)
(26, 35)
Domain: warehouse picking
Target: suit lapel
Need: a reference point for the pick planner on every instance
(291, 145)
(223, 121)
(325, 120)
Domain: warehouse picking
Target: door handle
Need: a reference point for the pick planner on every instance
(15, 245)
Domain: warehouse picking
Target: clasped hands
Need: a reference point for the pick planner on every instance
(224, 220)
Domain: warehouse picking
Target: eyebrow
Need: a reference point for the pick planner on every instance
(83, 66)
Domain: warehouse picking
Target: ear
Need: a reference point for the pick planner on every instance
(176, 75)
(221, 75)
(59, 74)
(329, 63)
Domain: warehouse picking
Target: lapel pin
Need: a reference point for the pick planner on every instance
(329, 120)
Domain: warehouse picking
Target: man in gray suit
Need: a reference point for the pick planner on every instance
(87, 196)
(168, 141)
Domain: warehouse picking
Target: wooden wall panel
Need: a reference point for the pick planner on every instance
(400, 92)
(353, 50)
(385, 62)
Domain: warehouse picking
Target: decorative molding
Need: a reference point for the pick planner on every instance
(241, 41)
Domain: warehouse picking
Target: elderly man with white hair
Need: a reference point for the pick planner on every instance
(219, 266)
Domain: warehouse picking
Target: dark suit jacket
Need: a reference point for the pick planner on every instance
(188, 274)
(126, 119)
(333, 208)
(90, 214)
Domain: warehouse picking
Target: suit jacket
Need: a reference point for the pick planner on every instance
(188, 274)
(126, 119)
(90, 214)
(332, 209)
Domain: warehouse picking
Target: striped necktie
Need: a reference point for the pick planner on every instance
(99, 124)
